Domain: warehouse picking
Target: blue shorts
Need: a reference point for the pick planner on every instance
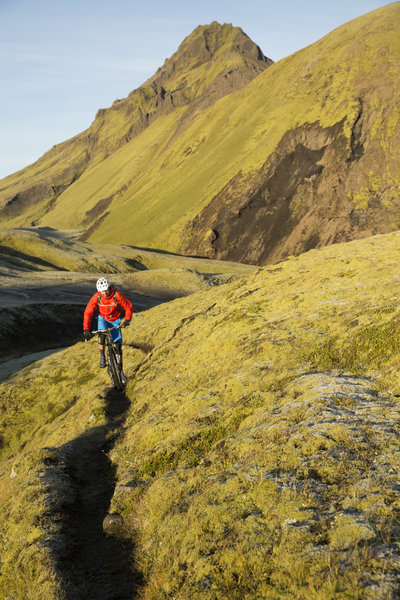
(103, 324)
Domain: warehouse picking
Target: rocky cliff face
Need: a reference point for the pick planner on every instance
(320, 185)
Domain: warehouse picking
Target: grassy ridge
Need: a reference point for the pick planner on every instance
(47, 249)
(260, 453)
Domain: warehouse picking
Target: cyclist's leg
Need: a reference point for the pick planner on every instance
(116, 334)
(102, 324)
(117, 339)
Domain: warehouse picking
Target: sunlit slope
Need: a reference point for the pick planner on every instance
(146, 192)
(261, 449)
(211, 62)
(260, 453)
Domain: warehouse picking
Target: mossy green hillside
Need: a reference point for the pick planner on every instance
(249, 456)
(45, 409)
(321, 83)
(41, 408)
(260, 452)
(45, 249)
(161, 179)
(209, 53)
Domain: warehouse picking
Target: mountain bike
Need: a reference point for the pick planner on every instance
(113, 358)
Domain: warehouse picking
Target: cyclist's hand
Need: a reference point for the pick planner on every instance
(126, 324)
(87, 335)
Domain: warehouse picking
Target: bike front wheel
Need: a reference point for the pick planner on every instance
(113, 368)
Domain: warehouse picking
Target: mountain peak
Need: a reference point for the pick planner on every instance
(304, 155)
(215, 36)
(207, 42)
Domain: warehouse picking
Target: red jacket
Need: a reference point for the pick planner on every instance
(107, 306)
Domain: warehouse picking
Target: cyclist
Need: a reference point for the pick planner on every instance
(107, 302)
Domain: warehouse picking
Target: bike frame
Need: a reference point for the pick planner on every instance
(113, 362)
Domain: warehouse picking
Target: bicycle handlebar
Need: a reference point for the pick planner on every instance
(108, 329)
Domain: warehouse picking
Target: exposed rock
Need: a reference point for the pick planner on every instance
(302, 198)
(113, 525)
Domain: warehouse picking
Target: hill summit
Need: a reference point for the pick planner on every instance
(211, 62)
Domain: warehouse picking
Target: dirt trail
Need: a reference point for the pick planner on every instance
(93, 565)
(9, 367)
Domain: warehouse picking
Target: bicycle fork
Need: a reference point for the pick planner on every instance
(118, 357)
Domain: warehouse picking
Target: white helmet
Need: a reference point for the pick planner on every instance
(102, 284)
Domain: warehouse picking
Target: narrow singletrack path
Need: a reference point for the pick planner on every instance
(95, 566)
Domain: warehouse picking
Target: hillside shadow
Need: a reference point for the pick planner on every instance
(93, 565)
(142, 346)
(154, 250)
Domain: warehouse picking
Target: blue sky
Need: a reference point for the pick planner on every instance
(62, 60)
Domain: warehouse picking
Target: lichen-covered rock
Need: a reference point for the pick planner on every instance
(113, 525)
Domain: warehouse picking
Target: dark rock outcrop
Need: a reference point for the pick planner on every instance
(303, 197)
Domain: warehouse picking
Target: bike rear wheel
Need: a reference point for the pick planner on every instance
(113, 368)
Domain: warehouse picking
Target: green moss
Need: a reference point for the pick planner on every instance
(361, 350)
(28, 569)
(348, 533)
(189, 453)
(150, 272)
